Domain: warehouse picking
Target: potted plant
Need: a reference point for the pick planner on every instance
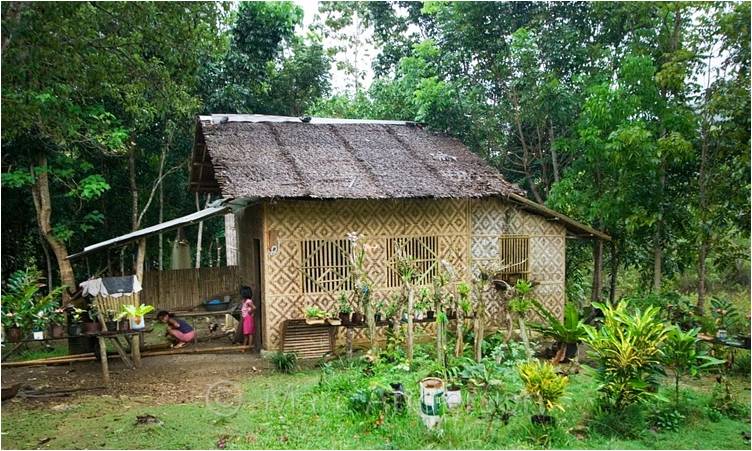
(13, 326)
(135, 315)
(314, 315)
(454, 388)
(39, 322)
(74, 326)
(92, 325)
(333, 319)
(544, 387)
(345, 309)
(57, 323)
(379, 307)
(111, 322)
(725, 315)
(357, 318)
(567, 333)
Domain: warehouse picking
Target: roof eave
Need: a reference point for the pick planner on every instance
(578, 229)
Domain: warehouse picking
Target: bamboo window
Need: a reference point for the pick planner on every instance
(325, 265)
(514, 255)
(424, 252)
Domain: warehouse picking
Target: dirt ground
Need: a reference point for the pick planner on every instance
(161, 379)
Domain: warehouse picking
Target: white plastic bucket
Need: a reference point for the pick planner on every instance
(453, 398)
(38, 335)
(137, 323)
(432, 401)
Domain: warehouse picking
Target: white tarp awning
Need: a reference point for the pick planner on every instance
(153, 230)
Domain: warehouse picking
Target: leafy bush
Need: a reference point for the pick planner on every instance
(509, 354)
(674, 307)
(627, 349)
(630, 422)
(543, 385)
(682, 355)
(285, 362)
(726, 315)
(571, 330)
(24, 306)
(666, 419)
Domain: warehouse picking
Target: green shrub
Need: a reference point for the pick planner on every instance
(543, 385)
(285, 362)
(666, 419)
(571, 330)
(628, 423)
(683, 357)
(627, 349)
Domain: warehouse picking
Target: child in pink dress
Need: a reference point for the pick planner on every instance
(247, 310)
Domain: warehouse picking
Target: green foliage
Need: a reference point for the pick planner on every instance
(131, 311)
(725, 314)
(543, 385)
(315, 313)
(285, 362)
(344, 304)
(24, 306)
(682, 355)
(522, 301)
(627, 350)
(571, 330)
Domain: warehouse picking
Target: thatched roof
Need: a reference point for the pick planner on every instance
(268, 157)
(278, 157)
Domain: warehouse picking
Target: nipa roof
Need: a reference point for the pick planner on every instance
(280, 157)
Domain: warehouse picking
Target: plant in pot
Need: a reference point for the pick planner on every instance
(345, 309)
(379, 308)
(333, 318)
(544, 387)
(92, 325)
(454, 387)
(725, 314)
(22, 302)
(57, 322)
(110, 320)
(135, 315)
(567, 334)
(519, 305)
(40, 321)
(74, 326)
(315, 315)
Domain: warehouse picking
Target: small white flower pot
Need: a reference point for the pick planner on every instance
(137, 323)
(38, 335)
(453, 398)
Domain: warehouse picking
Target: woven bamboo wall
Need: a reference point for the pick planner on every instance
(376, 220)
(184, 289)
(464, 228)
(492, 218)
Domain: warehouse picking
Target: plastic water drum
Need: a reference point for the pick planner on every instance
(432, 401)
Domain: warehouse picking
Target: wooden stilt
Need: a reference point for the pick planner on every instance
(103, 356)
(136, 351)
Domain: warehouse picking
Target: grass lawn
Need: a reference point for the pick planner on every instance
(297, 411)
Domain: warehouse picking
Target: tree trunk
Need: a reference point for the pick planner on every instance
(410, 309)
(597, 288)
(657, 257)
(479, 326)
(40, 193)
(460, 343)
(614, 272)
(161, 220)
(703, 204)
(554, 155)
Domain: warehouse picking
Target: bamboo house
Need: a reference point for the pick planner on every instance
(305, 184)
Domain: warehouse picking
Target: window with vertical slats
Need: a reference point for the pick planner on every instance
(423, 250)
(513, 252)
(326, 265)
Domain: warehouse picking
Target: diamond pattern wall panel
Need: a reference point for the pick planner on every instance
(467, 232)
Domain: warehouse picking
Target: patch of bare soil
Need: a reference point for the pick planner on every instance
(161, 379)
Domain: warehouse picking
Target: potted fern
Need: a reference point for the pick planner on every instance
(544, 387)
(135, 315)
(345, 309)
(567, 334)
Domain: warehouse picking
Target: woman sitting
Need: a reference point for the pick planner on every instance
(180, 330)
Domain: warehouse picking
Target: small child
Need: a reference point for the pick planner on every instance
(247, 309)
(181, 331)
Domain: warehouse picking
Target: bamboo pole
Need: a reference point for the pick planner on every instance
(62, 361)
